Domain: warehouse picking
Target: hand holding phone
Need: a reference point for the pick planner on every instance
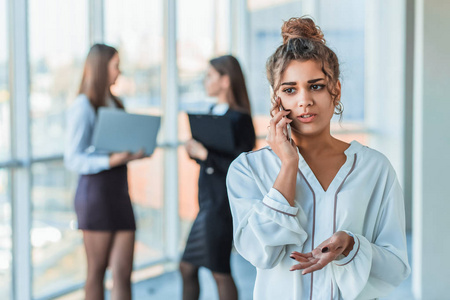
(287, 132)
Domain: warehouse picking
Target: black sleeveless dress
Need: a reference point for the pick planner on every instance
(102, 201)
(210, 240)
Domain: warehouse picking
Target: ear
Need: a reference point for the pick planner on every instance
(338, 92)
(225, 82)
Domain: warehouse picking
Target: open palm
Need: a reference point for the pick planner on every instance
(339, 243)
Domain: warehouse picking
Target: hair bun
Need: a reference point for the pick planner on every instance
(303, 27)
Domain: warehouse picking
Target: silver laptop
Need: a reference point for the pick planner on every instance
(119, 131)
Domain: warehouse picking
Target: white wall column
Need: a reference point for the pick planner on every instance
(431, 135)
(170, 130)
(21, 152)
(240, 32)
(385, 78)
(96, 21)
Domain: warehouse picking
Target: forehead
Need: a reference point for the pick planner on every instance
(212, 70)
(302, 71)
(115, 58)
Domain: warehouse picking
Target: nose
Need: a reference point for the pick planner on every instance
(304, 99)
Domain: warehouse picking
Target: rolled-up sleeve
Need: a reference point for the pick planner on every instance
(263, 225)
(374, 268)
(79, 129)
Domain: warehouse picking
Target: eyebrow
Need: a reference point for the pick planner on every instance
(289, 83)
(309, 81)
(315, 80)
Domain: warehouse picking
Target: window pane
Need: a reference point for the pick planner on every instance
(58, 32)
(195, 47)
(135, 29)
(145, 179)
(57, 249)
(343, 25)
(202, 35)
(5, 235)
(5, 147)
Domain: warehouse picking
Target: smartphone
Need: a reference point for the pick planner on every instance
(288, 126)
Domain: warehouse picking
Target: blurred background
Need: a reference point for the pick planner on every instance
(394, 64)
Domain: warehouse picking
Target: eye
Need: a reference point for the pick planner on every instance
(316, 87)
(289, 90)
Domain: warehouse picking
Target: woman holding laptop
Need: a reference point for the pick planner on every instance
(102, 202)
(210, 240)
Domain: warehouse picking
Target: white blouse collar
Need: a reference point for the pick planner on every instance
(220, 109)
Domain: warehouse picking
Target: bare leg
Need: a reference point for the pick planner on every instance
(225, 286)
(97, 245)
(191, 286)
(121, 263)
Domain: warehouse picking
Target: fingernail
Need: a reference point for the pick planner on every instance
(291, 269)
(324, 249)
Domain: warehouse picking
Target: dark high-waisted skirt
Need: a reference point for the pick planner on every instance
(102, 201)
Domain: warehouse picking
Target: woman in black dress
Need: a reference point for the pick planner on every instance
(102, 202)
(210, 240)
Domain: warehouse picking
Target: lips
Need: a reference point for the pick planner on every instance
(306, 118)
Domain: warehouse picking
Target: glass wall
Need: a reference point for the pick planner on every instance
(5, 154)
(58, 44)
(343, 25)
(202, 34)
(5, 147)
(135, 29)
(58, 39)
(5, 235)
(58, 33)
(57, 247)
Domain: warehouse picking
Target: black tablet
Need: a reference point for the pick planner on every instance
(214, 132)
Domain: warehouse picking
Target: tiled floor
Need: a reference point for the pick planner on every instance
(168, 285)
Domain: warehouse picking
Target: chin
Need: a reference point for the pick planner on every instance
(307, 132)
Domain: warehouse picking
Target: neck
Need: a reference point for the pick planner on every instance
(314, 143)
(222, 98)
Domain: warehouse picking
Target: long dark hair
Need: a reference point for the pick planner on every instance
(95, 76)
(238, 98)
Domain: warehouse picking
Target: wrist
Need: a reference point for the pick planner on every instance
(289, 166)
(203, 154)
(350, 244)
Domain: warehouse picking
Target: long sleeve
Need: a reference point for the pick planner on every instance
(375, 268)
(263, 225)
(79, 130)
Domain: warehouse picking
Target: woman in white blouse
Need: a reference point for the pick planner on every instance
(319, 218)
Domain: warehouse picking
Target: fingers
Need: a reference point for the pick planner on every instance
(302, 266)
(299, 258)
(281, 133)
(304, 255)
(308, 262)
(317, 266)
(273, 126)
(309, 266)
